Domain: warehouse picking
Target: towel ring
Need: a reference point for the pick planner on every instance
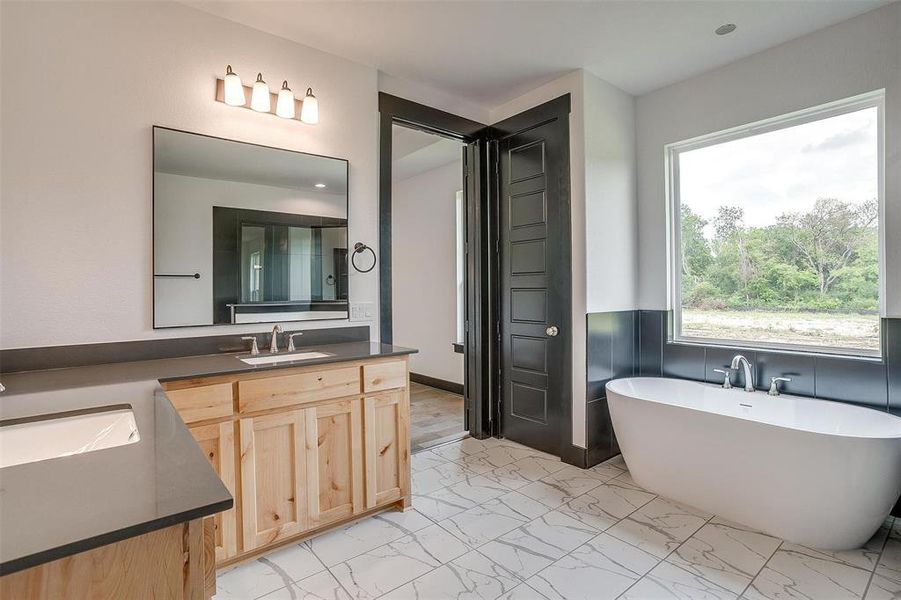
(359, 248)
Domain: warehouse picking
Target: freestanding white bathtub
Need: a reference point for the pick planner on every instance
(814, 472)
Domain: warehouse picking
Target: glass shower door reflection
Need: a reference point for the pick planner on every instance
(253, 251)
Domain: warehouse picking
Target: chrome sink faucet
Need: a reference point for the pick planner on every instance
(273, 344)
(727, 377)
(774, 384)
(291, 336)
(254, 348)
(741, 362)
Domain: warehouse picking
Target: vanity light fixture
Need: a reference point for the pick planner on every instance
(285, 105)
(259, 100)
(234, 90)
(309, 112)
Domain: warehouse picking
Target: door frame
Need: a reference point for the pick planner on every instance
(557, 109)
(395, 110)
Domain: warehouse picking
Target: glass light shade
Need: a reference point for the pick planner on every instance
(259, 100)
(309, 112)
(234, 90)
(285, 105)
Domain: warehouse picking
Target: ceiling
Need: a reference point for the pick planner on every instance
(181, 153)
(492, 51)
(414, 152)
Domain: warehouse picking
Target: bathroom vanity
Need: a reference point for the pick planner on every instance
(232, 460)
(300, 448)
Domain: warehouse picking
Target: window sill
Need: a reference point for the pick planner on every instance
(812, 351)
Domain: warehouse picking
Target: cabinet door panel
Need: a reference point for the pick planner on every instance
(387, 439)
(218, 444)
(334, 461)
(273, 477)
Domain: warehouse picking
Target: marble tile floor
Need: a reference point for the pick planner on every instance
(492, 519)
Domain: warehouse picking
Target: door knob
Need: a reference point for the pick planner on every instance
(552, 331)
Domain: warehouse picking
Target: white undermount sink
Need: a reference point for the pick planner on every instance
(53, 436)
(277, 358)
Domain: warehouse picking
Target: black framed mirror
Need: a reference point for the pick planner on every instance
(244, 233)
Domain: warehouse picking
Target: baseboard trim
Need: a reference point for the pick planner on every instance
(441, 384)
(574, 455)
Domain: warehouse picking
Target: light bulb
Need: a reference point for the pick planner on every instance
(309, 112)
(259, 100)
(285, 105)
(234, 90)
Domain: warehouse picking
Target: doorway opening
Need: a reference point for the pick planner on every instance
(428, 301)
(517, 309)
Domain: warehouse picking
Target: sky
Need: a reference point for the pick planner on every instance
(784, 170)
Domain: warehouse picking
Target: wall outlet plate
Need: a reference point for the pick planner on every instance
(362, 311)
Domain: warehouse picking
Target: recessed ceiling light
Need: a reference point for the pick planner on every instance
(320, 185)
(725, 29)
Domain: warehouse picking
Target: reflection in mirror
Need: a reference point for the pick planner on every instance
(245, 233)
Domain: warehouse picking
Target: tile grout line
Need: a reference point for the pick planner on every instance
(659, 561)
(470, 548)
(760, 570)
(888, 536)
(347, 591)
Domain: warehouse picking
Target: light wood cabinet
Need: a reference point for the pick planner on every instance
(218, 444)
(334, 455)
(384, 375)
(202, 403)
(273, 477)
(287, 390)
(302, 449)
(387, 438)
(166, 564)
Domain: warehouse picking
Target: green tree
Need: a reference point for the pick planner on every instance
(696, 256)
(829, 237)
(731, 246)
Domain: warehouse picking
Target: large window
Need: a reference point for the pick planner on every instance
(776, 231)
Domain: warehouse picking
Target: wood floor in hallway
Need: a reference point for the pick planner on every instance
(436, 416)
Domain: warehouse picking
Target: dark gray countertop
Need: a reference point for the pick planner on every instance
(62, 506)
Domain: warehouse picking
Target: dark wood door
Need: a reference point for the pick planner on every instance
(535, 316)
(479, 334)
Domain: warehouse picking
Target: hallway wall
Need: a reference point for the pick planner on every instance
(424, 271)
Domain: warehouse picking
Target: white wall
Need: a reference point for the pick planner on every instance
(611, 204)
(856, 56)
(183, 227)
(424, 271)
(428, 95)
(82, 85)
(602, 180)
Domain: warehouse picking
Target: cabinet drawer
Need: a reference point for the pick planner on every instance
(384, 376)
(203, 402)
(274, 392)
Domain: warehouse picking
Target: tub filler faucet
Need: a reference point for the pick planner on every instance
(741, 362)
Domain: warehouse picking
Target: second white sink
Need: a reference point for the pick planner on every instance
(277, 358)
(57, 436)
